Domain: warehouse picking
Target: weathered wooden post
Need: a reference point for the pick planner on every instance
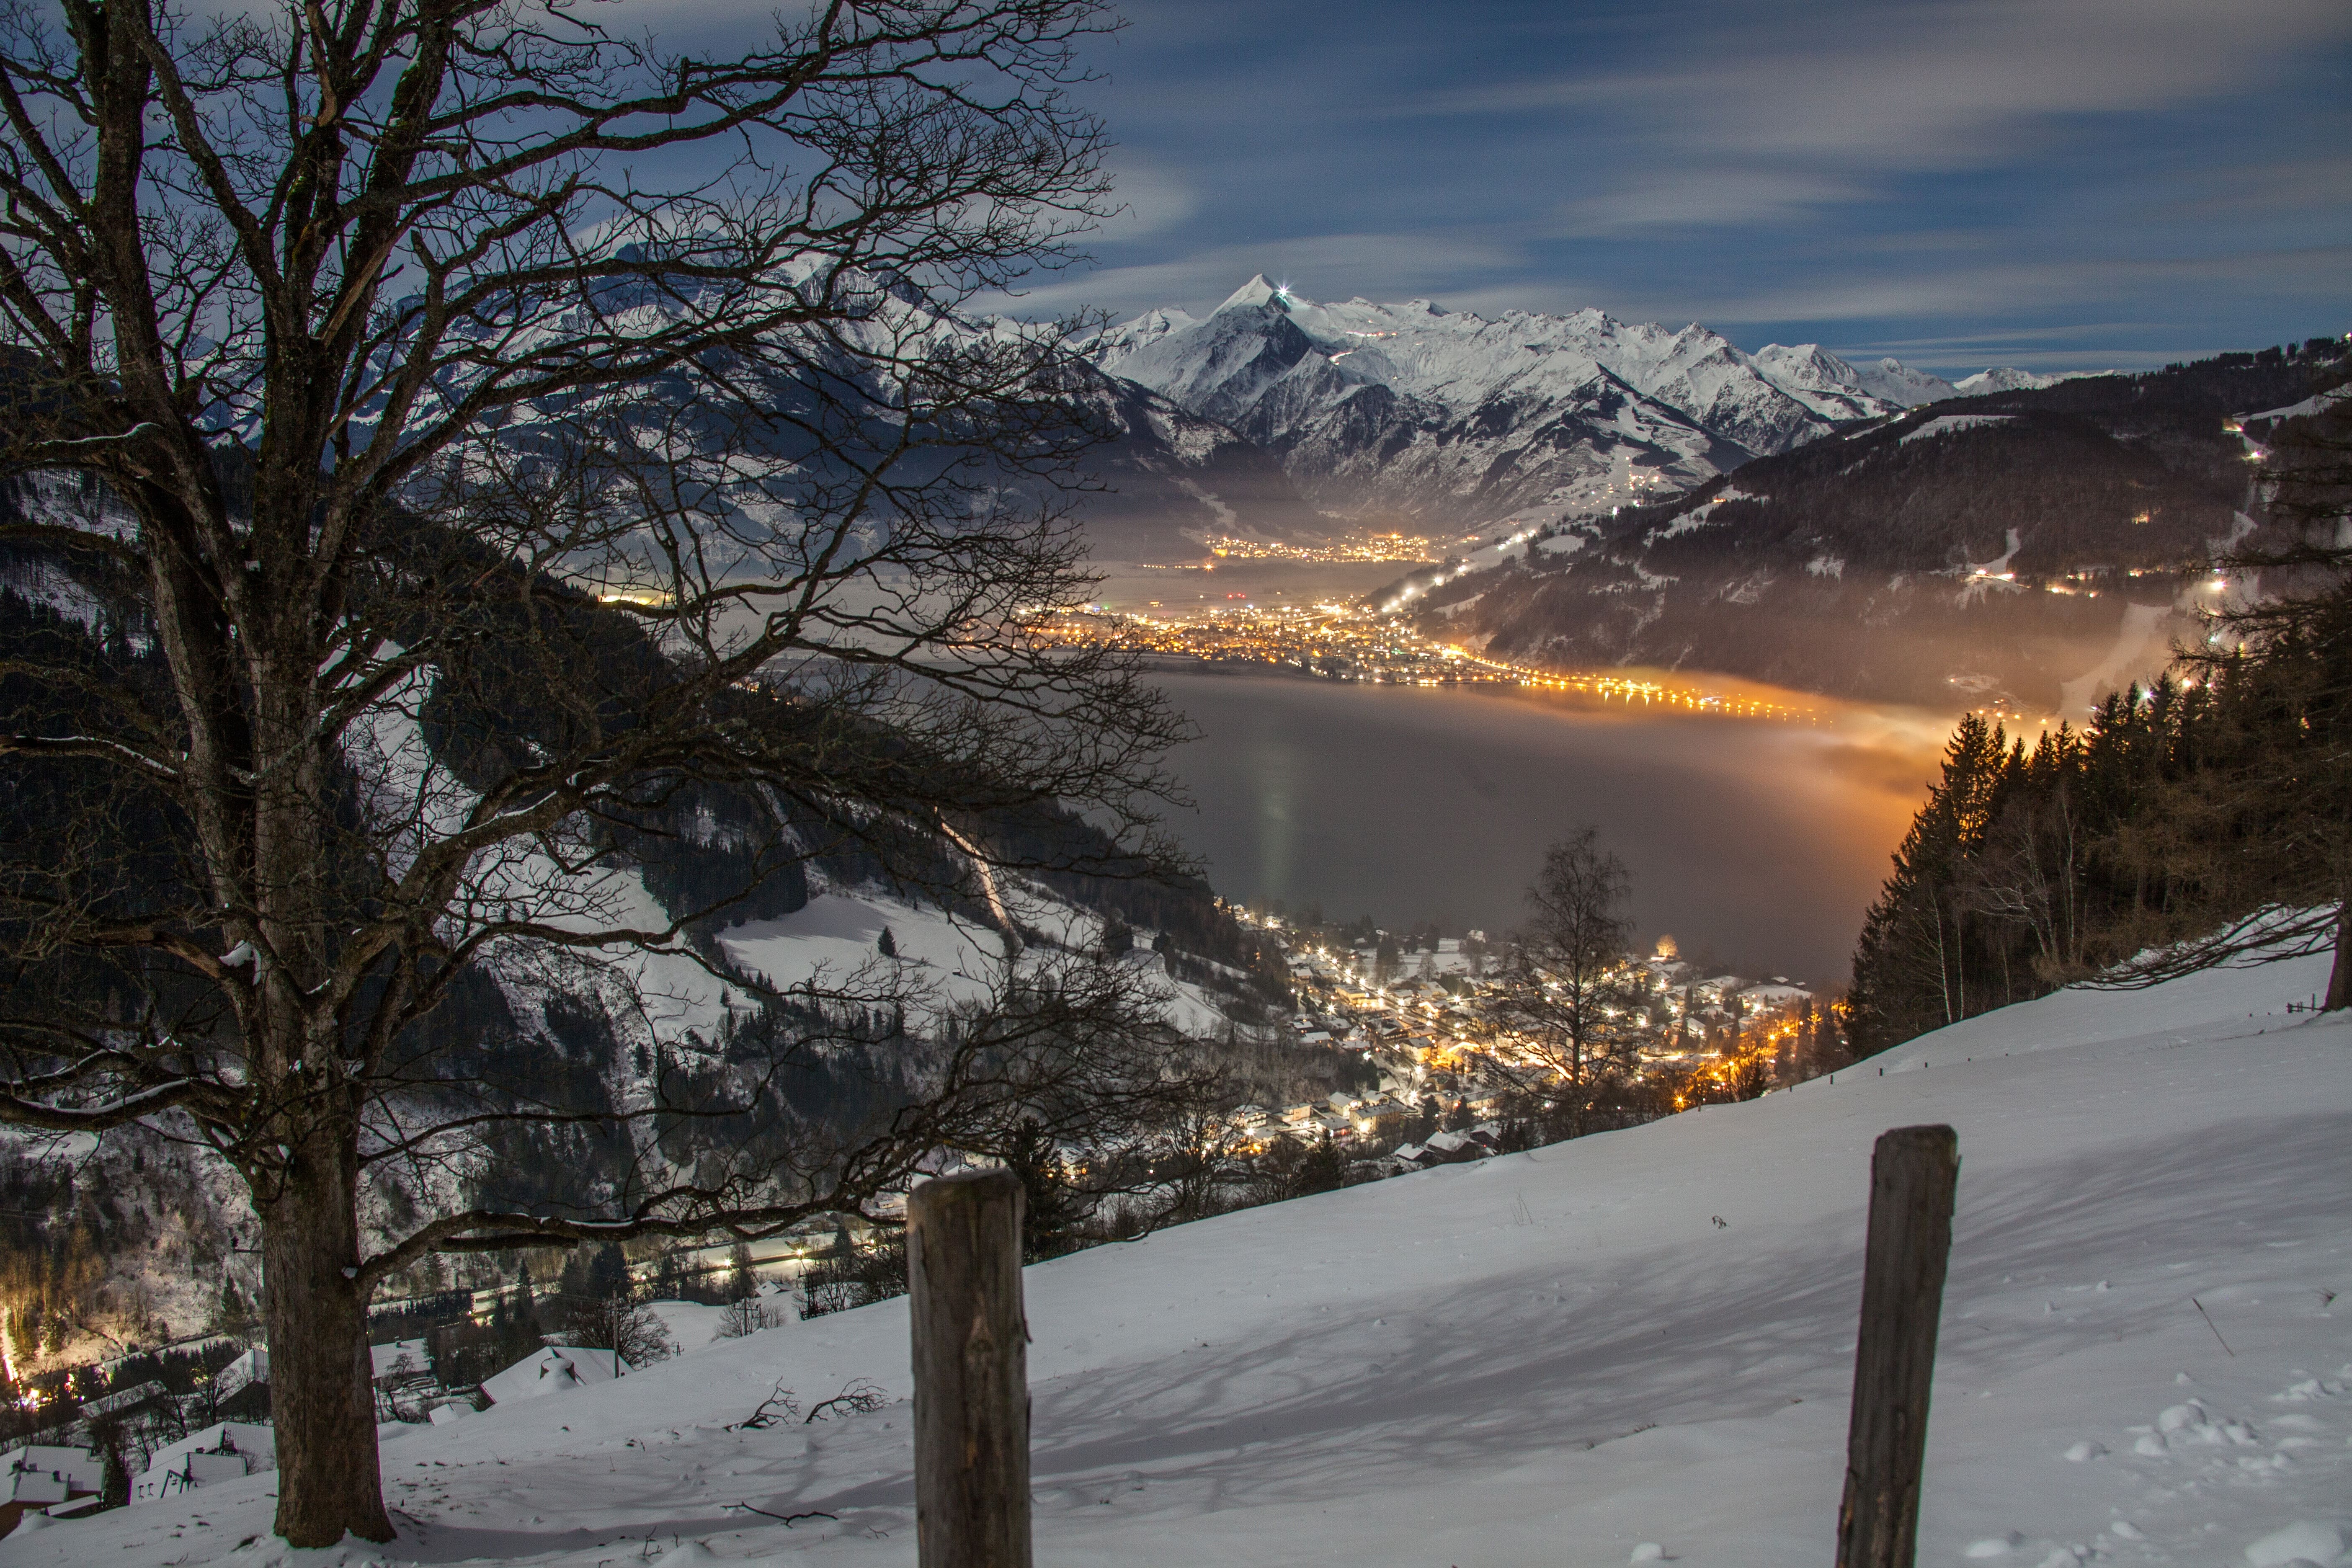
(972, 1372)
(1912, 1173)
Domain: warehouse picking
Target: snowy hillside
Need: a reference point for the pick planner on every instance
(1413, 408)
(1554, 1358)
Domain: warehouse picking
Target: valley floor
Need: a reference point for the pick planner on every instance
(1552, 1358)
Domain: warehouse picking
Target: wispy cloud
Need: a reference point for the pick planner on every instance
(1722, 197)
(1795, 95)
(1934, 171)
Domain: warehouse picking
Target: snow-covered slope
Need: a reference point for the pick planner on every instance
(1410, 407)
(1555, 1357)
(953, 960)
(2006, 378)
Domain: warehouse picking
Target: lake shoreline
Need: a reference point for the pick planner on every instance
(1761, 838)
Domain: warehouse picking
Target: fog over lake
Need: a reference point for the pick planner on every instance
(1762, 841)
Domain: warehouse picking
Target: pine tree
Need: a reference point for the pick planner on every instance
(742, 1278)
(524, 1319)
(1051, 1207)
(1911, 970)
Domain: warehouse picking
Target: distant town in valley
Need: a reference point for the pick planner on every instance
(1343, 642)
(1448, 1083)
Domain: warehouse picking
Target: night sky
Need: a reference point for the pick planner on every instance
(2051, 183)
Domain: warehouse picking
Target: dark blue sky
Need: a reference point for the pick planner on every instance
(2052, 184)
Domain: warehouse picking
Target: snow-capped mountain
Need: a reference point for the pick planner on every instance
(1811, 368)
(2004, 378)
(1168, 478)
(1410, 407)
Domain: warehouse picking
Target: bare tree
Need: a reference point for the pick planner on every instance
(468, 508)
(632, 1331)
(2028, 874)
(1564, 1010)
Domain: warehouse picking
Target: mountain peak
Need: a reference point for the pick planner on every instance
(1407, 404)
(1263, 290)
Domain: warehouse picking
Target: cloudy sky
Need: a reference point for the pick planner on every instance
(2055, 183)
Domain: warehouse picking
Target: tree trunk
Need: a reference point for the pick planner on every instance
(2339, 978)
(320, 1392)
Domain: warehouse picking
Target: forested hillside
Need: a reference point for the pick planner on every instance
(2192, 822)
(2025, 550)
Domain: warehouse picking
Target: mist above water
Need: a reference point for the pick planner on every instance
(1762, 842)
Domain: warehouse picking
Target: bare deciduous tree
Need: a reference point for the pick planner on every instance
(1563, 1003)
(491, 436)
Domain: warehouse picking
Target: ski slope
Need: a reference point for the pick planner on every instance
(1565, 1358)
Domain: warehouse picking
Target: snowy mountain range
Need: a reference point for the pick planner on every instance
(1408, 408)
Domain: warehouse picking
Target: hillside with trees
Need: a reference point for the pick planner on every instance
(1988, 550)
(2204, 819)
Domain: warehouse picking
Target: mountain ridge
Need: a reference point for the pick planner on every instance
(1377, 409)
(2025, 550)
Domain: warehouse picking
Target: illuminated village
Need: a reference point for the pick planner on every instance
(1453, 1082)
(1341, 642)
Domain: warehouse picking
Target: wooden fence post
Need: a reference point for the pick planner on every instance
(1912, 1173)
(972, 1372)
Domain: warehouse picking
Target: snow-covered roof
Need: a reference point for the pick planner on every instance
(400, 1358)
(554, 1370)
(35, 1474)
(225, 1451)
(247, 1369)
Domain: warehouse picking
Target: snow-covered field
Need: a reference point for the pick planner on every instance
(1553, 1358)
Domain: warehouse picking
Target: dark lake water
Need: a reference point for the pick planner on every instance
(1760, 842)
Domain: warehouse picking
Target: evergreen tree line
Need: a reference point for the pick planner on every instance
(2013, 878)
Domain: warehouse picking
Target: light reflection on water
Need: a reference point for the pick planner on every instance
(1762, 841)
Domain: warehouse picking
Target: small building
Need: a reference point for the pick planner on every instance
(1715, 991)
(38, 1475)
(225, 1451)
(400, 1359)
(1476, 1144)
(557, 1369)
(244, 1373)
(1772, 996)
